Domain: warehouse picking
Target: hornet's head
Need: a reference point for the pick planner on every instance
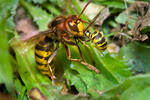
(75, 25)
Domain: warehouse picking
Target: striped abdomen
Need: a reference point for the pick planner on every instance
(99, 40)
(43, 51)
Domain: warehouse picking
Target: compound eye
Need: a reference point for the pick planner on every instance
(73, 26)
(71, 23)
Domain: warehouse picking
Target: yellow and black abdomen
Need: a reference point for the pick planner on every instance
(43, 51)
(99, 40)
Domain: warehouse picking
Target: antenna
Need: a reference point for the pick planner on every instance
(93, 20)
(85, 8)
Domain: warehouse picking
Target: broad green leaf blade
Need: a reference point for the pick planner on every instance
(136, 56)
(118, 69)
(92, 83)
(76, 80)
(134, 88)
(112, 68)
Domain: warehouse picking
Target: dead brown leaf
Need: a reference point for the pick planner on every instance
(143, 14)
(35, 94)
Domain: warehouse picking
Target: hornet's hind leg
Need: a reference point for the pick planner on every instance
(91, 67)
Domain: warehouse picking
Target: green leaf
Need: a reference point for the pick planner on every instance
(59, 3)
(117, 68)
(113, 71)
(134, 88)
(122, 18)
(112, 68)
(112, 3)
(37, 1)
(20, 89)
(41, 17)
(52, 9)
(76, 80)
(145, 30)
(136, 56)
(8, 13)
(115, 4)
(92, 82)
(6, 72)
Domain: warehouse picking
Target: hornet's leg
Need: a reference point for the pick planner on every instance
(91, 67)
(75, 44)
(82, 42)
(54, 53)
(49, 61)
(79, 49)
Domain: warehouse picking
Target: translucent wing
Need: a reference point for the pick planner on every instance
(26, 42)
